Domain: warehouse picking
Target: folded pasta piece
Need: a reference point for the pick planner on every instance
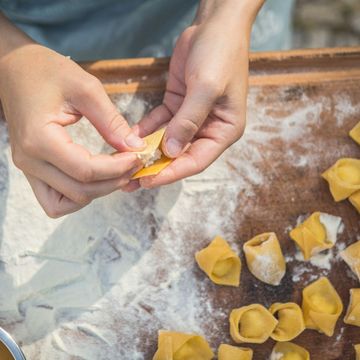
(352, 316)
(290, 321)
(316, 233)
(289, 351)
(351, 255)
(180, 346)
(355, 133)
(355, 200)
(220, 263)
(343, 178)
(152, 157)
(251, 324)
(321, 306)
(228, 352)
(265, 259)
(357, 351)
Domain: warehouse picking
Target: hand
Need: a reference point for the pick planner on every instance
(41, 93)
(205, 97)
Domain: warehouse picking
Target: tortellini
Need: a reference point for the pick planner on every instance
(352, 316)
(355, 200)
(316, 233)
(180, 346)
(220, 263)
(357, 351)
(265, 259)
(321, 306)
(343, 178)
(289, 351)
(351, 255)
(152, 157)
(228, 352)
(290, 321)
(251, 324)
(355, 133)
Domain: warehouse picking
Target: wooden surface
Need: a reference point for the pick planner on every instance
(282, 82)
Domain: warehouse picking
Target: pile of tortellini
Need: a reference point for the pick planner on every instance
(321, 304)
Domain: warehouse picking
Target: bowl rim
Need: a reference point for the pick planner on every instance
(11, 345)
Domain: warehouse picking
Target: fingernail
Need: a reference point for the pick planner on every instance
(134, 141)
(136, 169)
(173, 147)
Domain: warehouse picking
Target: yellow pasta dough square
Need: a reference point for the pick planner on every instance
(343, 178)
(351, 255)
(352, 316)
(265, 259)
(289, 351)
(181, 346)
(317, 233)
(228, 352)
(355, 133)
(357, 351)
(251, 324)
(153, 158)
(220, 262)
(290, 321)
(321, 306)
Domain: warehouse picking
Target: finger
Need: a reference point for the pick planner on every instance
(187, 121)
(77, 162)
(54, 203)
(131, 186)
(198, 157)
(76, 191)
(96, 106)
(154, 120)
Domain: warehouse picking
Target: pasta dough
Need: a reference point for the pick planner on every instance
(251, 324)
(321, 306)
(316, 233)
(228, 352)
(180, 346)
(357, 351)
(289, 351)
(152, 157)
(343, 178)
(355, 200)
(352, 316)
(220, 263)
(291, 321)
(265, 259)
(355, 133)
(351, 255)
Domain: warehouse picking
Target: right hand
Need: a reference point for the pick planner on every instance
(42, 92)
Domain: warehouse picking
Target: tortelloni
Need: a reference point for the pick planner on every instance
(290, 321)
(316, 233)
(351, 255)
(321, 306)
(355, 200)
(343, 178)
(251, 324)
(355, 133)
(228, 352)
(180, 346)
(352, 316)
(357, 351)
(289, 351)
(152, 157)
(220, 263)
(265, 259)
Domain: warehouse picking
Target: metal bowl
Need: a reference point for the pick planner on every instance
(11, 345)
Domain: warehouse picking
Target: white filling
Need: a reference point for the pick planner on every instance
(149, 158)
(332, 225)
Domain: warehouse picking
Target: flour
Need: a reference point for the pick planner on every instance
(98, 284)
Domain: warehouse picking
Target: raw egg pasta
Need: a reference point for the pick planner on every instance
(351, 255)
(289, 351)
(352, 316)
(355, 133)
(228, 352)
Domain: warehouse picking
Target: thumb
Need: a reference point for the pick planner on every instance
(187, 121)
(97, 107)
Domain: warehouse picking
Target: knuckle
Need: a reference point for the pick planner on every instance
(210, 84)
(116, 124)
(188, 127)
(91, 85)
(54, 211)
(85, 174)
(28, 145)
(18, 159)
(82, 198)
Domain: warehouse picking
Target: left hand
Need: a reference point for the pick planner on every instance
(205, 97)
